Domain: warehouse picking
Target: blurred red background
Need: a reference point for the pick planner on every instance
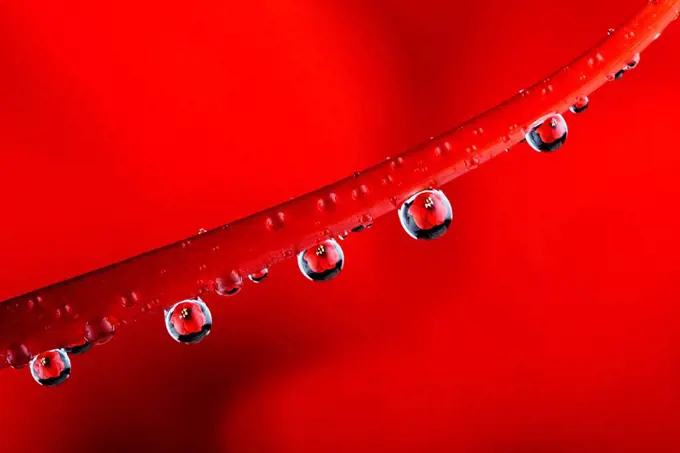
(544, 321)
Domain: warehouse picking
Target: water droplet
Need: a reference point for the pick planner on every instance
(18, 356)
(610, 31)
(51, 368)
(322, 262)
(275, 222)
(328, 203)
(360, 193)
(426, 215)
(202, 231)
(229, 285)
(99, 331)
(549, 135)
(356, 174)
(616, 76)
(78, 348)
(188, 321)
(633, 63)
(342, 236)
(257, 277)
(397, 163)
(365, 222)
(657, 36)
(581, 105)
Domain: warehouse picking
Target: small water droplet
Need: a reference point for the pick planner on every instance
(202, 231)
(633, 63)
(322, 262)
(51, 368)
(365, 222)
(610, 31)
(275, 222)
(328, 203)
(257, 277)
(581, 105)
(229, 285)
(100, 331)
(18, 356)
(657, 36)
(397, 163)
(617, 76)
(78, 348)
(426, 215)
(188, 321)
(342, 236)
(360, 193)
(356, 174)
(549, 135)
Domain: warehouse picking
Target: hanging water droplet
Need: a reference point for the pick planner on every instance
(188, 321)
(342, 236)
(322, 262)
(257, 277)
(426, 215)
(202, 231)
(633, 63)
(366, 222)
(99, 331)
(51, 368)
(616, 76)
(18, 356)
(229, 285)
(549, 135)
(78, 348)
(581, 105)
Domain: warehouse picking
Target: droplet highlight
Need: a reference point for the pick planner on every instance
(549, 135)
(188, 321)
(322, 262)
(51, 368)
(426, 215)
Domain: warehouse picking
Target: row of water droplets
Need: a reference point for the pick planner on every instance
(426, 215)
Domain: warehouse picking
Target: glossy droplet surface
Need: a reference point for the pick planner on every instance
(188, 321)
(548, 135)
(18, 356)
(229, 285)
(51, 368)
(426, 215)
(322, 262)
(78, 348)
(581, 105)
(366, 222)
(257, 277)
(99, 331)
(633, 63)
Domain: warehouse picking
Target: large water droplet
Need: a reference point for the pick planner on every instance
(549, 135)
(51, 368)
(229, 285)
(188, 321)
(426, 215)
(257, 277)
(581, 105)
(323, 261)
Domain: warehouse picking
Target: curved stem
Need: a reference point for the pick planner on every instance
(56, 315)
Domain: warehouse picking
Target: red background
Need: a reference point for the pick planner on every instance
(544, 321)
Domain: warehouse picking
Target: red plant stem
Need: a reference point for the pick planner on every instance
(56, 315)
